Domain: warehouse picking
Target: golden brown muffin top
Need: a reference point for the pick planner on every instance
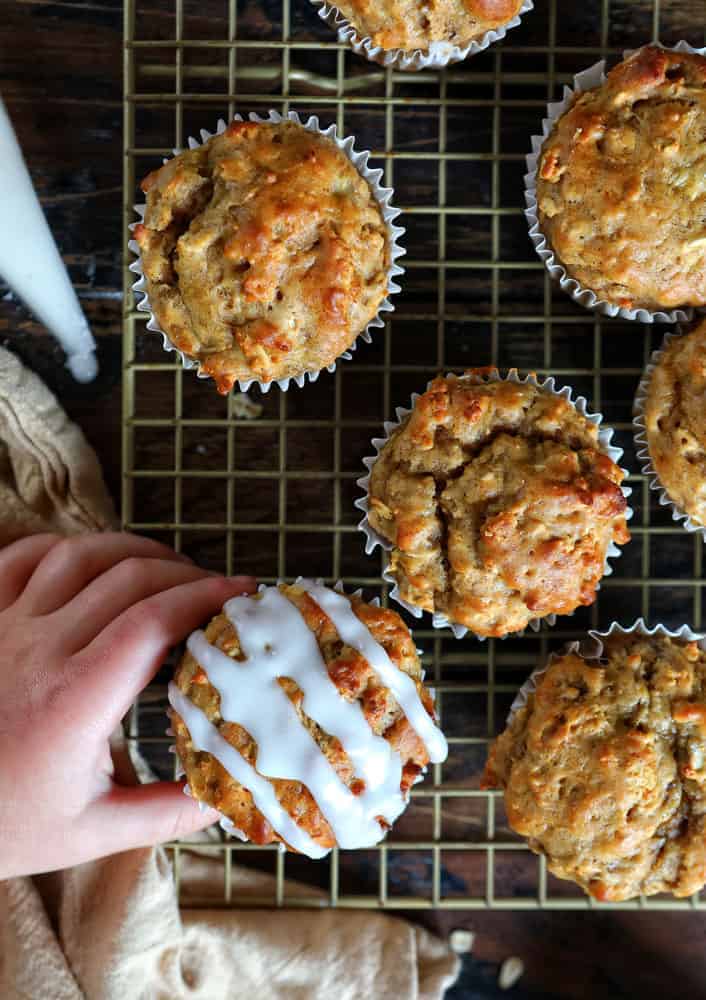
(411, 24)
(498, 502)
(604, 768)
(356, 681)
(265, 252)
(621, 184)
(675, 421)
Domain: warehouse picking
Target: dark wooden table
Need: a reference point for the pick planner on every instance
(60, 74)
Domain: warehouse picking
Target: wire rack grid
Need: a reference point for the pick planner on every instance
(274, 495)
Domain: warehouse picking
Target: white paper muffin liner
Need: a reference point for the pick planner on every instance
(383, 196)
(224, 822)
(591, 648)
(589, 78)
(642, 447)
(373, 538)
(438, 55)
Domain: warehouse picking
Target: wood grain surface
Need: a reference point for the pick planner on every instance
(60, 74)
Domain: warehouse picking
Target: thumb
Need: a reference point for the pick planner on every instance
(147, 814)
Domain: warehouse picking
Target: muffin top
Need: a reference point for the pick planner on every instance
(409, 25)
(603, 769)
(498, 502)
(265, 252)
(621, 183)
(675, 421)
(300, 714)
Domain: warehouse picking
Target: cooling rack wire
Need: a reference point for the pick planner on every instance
(274, 495)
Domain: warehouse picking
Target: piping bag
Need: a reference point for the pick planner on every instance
(31, 264)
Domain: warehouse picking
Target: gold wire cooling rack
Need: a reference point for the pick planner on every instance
(273, 495)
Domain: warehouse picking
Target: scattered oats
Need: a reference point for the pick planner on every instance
(510, 972)
(245, 408)
(461, 941)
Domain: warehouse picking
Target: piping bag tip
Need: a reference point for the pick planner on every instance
(83, 365)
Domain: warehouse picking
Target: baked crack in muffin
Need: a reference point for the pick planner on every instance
(264, 251)
(409, 24)
(300, 714)
(675, 421)
(603, 768)
(621, 183)
(498, 502)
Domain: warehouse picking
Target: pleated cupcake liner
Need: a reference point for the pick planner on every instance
(592, 647)
(373, 539)
(438, 55)
(382, 195)
(642, 452)
(588, 79)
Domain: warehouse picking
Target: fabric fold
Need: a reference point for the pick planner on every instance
(50, 478)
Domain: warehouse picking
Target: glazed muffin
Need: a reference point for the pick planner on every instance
(675, 422)
(621, 187)
(603, 768)
(300, 714)
(498, 502)
(264, 252)
(403, 24)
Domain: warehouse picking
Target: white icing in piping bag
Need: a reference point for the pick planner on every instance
(31, 264)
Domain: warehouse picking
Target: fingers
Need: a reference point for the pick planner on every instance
(18, 562)
(72, 563)
(113, 592)
(122, 660)
(144, 815)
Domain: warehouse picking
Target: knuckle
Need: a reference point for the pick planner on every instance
(145, 618)
(64, 549)
(137, 618)
(46, 538)
(148, 609)
(35, 546)
(134, 568)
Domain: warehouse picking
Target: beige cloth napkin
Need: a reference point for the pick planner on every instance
(50, 479)
(112, 929)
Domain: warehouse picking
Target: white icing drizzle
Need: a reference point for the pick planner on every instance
(205, 737)
(276, 643)
(354, 633)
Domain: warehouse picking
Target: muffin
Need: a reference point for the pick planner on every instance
(603, 768)
(264, 251)
(301, 716)
(498, 502)
(674, 410)
(621, 190)
(399, 24)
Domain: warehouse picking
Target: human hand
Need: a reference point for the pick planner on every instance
(84, 625)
